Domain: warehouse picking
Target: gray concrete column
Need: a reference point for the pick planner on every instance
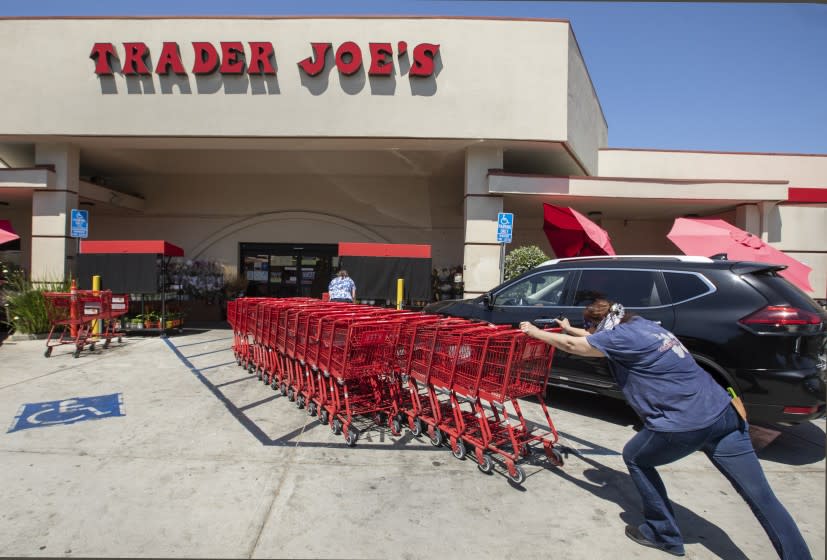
(759, 219)
(53, 251)
(481, 259)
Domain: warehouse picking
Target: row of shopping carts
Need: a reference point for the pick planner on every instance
(82, 318)
(457, 381)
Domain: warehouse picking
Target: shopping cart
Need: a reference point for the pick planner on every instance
(115, 306)
(360, 357)
(71, 315)
(503, 368)
(430, 358)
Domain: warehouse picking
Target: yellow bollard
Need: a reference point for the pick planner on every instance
(96, 287)
(400, 292)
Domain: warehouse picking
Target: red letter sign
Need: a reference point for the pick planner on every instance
(351, 48)
(381, 59)
(423, 59)
(134, 63)
(260, 54)
(206, 58)
(310, 67)
(103, 51)
(170, 58)
(233, 63)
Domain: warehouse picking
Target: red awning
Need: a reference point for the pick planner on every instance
(384, 250)
(7, 232)
(157, 247)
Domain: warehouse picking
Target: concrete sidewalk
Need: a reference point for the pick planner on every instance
(207, 462)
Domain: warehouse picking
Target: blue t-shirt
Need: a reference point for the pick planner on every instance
(659, 378)
(341, 287)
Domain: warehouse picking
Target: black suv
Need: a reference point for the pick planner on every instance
(745, 324)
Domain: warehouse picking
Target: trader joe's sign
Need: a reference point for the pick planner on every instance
(259, 58)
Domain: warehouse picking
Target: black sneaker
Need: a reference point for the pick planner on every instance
(635, 534)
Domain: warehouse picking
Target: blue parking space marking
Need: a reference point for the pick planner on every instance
(67, 411)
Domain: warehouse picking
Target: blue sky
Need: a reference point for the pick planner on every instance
(697, 76)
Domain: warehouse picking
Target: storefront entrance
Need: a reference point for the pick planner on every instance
(288, 269)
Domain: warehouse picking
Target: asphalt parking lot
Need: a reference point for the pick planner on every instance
(184, 454)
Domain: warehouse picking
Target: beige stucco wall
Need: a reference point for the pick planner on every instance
(196, 213)
(514, 70)
(587, 129)
(799, 170)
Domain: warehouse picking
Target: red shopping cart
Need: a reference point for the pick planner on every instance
(71, 315)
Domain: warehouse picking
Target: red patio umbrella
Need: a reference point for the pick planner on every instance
(711, 237)
(572, 234)
(7, 232)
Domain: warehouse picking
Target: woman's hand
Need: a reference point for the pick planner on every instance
(529, 329)
(564, 323)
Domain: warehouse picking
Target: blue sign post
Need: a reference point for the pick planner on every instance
(80, 223)
(505, 225)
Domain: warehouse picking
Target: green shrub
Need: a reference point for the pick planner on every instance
(25, 304)
(521, 259)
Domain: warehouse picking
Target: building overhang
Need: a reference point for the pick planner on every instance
(19, 184)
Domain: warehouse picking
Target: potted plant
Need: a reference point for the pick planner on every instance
(152, 320)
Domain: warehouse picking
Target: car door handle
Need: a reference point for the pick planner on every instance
(658, 322)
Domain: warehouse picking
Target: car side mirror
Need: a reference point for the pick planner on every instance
(489, 303)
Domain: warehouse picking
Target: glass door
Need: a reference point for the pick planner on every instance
(288, 270)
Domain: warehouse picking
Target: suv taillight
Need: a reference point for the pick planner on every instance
(781, 319)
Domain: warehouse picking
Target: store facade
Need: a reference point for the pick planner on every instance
(244, 139)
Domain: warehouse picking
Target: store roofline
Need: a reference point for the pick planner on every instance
(500, 172)
(662, 150)
(292, 17)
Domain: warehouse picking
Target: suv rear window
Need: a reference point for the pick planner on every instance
(632, 288)
(683, 286)
(791, 293)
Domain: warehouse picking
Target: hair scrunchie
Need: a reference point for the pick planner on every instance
(612, 318)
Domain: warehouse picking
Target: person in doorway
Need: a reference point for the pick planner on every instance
(342, 288)
(683, 410)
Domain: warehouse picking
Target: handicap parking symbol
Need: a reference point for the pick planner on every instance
(67, 411)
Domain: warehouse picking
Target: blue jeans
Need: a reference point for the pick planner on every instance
(726, 442)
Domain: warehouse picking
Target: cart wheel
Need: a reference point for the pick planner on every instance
(291, 395)
(525, 450)
(283, 388)
(436, 439)
(487, 465)
(76, 353)
(48, 352)
(238, 359)
(300, 402)
(555, 457)
(274, 384)
(120, 339)
(106, 344)
(336, 426)
(519, 475)
(92, 347)
(352, 436)
(251, 367)
(459, 450)
(417, 427)
(311, 409)
(396, 427)
(324, 416)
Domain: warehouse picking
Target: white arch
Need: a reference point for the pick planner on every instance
(285, 216)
